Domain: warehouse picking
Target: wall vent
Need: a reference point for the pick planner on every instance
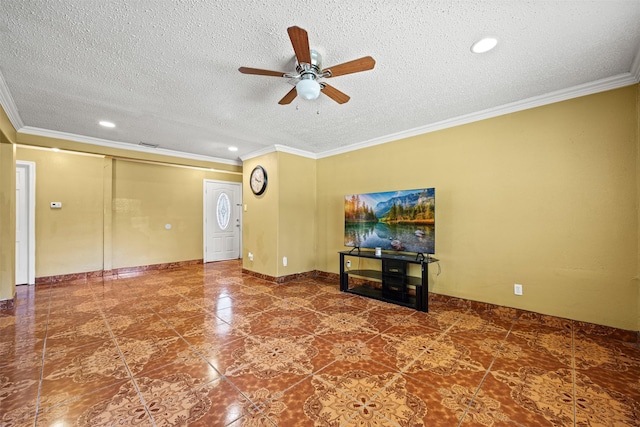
(146, 144)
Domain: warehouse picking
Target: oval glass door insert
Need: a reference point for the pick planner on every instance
(223, 209)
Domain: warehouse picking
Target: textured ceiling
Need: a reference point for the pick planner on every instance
(166, 72)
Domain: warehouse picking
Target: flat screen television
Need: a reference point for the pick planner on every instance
(401, 221)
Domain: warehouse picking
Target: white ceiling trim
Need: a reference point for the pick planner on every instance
(28, 130)
(280, 148)
(9, 105)
(635, 67)
(597, 86)
(257, 153)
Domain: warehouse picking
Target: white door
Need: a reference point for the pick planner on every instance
(25, 223)
(222, 222)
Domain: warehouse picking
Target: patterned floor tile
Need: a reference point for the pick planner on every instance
(273, 411)
(360, 397)
(291, 303)
(295, 322)
(118, 404)
(247, 304)
(438, 413)
(441, 366)
(147, 326)
(482, 350)
(177, 308)
(393, 317)
(232, 355)
(347, 322)
(17, 343)
(275, 375)
(497, 404)
(597, 405)
(534, 345)
(356, 351)
(19, 385)
(331, 301)
(151, 352)
(297, 406)
(614, 367)
(440, 319)
(173, 400)
(236, 314)
(206, 345)
(207, 328)
(121, 323)
(543, 393)
(88, 330)
(80, 370)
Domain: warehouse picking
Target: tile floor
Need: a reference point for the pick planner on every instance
(206, 345)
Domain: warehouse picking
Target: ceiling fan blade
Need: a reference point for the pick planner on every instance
(290, 96)
(355, 66)
(335, 94)
(300, 42)
(258, 71)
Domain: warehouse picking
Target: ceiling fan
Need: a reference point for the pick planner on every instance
(309, 71)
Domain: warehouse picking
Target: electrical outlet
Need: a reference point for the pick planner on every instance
(348, 263)
(517, 289)
(250, 256)
(285, 261)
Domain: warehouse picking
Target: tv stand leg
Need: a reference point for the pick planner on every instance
(344, 278)
(422, 295)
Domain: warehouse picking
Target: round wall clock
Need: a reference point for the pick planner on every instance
(258, 180)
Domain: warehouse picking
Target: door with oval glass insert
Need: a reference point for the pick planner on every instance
(222, 210)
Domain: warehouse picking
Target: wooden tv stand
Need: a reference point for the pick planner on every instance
(396, 285)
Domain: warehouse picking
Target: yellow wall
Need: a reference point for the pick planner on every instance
(545, 197)
(68, 240)
(260, 219)
(297, 214)
(114, 212)
(7, 207)
(281, 222)
(146, 198)
(107, 212)
(7, 219)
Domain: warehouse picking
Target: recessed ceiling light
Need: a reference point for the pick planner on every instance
(107, 124)
(484, 45)
(55, 149)
(233, 148)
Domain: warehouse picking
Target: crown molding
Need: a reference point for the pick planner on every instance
(258, 153)
(279, 148)
(28, 130)
(9, 105)
(635, 67)
(597, 86)
(295, 151)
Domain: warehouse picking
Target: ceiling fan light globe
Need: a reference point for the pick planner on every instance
(308, 89)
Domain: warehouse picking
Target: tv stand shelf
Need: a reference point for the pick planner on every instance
(396, 285)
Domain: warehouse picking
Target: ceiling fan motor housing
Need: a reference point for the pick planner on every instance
(313, 70)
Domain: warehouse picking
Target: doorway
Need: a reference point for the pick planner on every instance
(25, 223)
(222, 220)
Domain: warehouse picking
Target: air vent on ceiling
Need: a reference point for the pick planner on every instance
(147, 145)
